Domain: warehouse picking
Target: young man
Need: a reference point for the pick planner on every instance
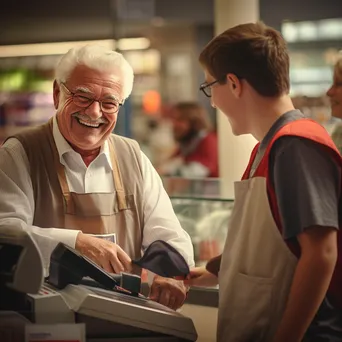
(276, 274)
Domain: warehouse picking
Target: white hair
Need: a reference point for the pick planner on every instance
(97, 58)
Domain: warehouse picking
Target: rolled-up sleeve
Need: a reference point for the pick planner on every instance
(17, 201)
(160, 220)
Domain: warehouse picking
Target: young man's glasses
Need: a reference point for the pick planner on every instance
(206, 87)
(83, 101)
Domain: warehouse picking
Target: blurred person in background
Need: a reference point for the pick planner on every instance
(197, 152)
(335, 95)
(159, 141)
(71, 177)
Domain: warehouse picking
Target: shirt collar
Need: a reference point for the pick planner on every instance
(63, 147)
(284, 119)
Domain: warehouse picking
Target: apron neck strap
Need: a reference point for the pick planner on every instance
(69, 203)
(120, 194)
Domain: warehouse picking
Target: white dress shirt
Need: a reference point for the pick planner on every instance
(17, 198)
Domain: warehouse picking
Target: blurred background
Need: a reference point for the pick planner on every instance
(162, 39)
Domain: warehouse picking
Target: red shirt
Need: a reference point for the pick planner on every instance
(205, 153)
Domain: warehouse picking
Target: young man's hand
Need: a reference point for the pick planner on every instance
(199, 276)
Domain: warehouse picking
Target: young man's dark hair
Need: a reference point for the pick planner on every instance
(254, 52)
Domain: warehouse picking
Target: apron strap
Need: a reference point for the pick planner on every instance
(120, 194)
(69, 203)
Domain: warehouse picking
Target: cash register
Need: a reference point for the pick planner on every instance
(78, 291)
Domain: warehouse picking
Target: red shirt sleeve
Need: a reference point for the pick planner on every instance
(206, 154)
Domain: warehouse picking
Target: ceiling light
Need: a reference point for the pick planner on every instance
(60, 48)
(44, 49)
(140, 43)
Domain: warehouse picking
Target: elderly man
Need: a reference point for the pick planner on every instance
(72, 178)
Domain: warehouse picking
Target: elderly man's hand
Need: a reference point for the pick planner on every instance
(168, 291)
(105, 253)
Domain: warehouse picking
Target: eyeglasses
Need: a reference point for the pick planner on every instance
(107, 106)
(206, 87)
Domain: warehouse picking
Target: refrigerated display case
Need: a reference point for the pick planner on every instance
(203, 213)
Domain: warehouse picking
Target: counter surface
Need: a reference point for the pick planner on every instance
(203, 296)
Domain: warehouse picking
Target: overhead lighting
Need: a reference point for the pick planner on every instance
(140, 43)
(60, 48)
(326, 29)
(45, 49)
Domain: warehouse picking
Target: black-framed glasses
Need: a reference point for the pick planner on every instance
(81, 100)
(206, 87)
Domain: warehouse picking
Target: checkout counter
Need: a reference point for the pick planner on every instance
(113, 316)
(108, 314)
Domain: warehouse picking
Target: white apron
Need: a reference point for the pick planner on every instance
(256, 270)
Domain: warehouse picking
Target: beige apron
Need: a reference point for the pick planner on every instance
(98, 213)
(256, 269)
(120, 212)
(92, 212)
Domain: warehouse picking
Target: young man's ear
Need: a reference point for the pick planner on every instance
(234, 84)
(56, 93)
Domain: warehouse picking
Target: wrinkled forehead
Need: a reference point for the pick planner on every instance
(117, 88)
(108, 82)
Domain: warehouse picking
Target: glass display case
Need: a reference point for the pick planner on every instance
(203, 213)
